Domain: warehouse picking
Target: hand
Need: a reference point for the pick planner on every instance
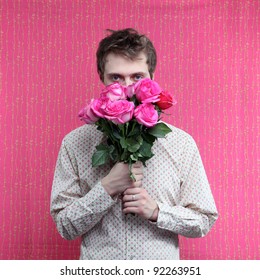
(138, 201)
(118, 179)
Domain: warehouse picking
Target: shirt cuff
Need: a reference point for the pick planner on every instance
(99, 200)
(163, 220)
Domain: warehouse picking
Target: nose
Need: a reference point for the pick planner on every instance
(128, 82)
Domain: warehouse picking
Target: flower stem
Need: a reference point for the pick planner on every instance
(130, 171)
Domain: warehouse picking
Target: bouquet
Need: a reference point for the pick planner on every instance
(130, 119)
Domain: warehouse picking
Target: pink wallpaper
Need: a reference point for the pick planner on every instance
(208, 57)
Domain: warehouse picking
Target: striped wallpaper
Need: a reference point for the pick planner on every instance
(208, 55)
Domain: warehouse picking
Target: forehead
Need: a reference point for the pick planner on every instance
(120, 64)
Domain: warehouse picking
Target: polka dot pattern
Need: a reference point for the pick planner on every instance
(174, 177)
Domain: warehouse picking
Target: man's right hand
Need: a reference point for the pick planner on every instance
(118, 179)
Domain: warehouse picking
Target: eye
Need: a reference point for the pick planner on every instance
(138, 77)
(115, 78)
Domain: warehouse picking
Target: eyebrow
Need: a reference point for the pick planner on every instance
(136, 73)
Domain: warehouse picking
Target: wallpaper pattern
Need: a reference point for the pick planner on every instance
(208, 57)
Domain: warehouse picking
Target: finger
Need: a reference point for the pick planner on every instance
(138, 177)
(131, 197)
(131, 204)
(132, 191)
(135, 185)
(133, 210)
(137, 164)
(137, 170)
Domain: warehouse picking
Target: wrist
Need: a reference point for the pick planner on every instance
(106, 185)
(155, 214)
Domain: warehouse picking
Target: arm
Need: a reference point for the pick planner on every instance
(196, 211)
(73, 213)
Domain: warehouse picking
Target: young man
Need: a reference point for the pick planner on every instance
(170, 196)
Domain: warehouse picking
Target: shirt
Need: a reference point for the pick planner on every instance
(174, 177)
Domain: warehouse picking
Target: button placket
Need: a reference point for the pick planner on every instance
(130, 236)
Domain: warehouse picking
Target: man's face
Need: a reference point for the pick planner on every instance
(124, 70)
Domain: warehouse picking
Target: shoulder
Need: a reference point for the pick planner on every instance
(81, 131)
(177, 143)
(180, 136)
(83, 135)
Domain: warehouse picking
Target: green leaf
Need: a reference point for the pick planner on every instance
(123, 143)
(124, 156)
(132, 145)
(139, 140)
(134, 157)
(113, 153)
(116, 134)
(135, 130)
(101, 147)
(107, 127)
(121, 127)
(159, 130)
(100, 157)
(148, 138)
(146, 150)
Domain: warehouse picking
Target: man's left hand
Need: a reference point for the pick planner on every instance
(138, 201)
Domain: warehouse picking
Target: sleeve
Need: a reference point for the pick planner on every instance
(196, 211)
(73, 213)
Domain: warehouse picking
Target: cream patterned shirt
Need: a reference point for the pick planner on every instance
(174, 177)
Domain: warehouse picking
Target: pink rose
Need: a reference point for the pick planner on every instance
(146, 114)
(147, 91)
(98, 106)
(114, 92)
(130, 90)
(166, 100)
(118, 111)
(87, 115)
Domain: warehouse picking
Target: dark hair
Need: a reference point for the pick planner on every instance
(127, 42)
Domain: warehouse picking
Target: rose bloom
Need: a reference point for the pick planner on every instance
(146, 114)
(166, 100)
(119, 111)
(147, 91)
(98, 106)
(114, 92)
(130, 90)
(87, 115)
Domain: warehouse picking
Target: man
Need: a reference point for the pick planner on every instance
(170, 196)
